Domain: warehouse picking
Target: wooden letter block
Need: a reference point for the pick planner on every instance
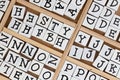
(89, 21)
(4, 4)
(18, 12)
(88, 54)
(102, 2)
(29, 77)
(82, 38)
(96, 43)
(76, 52)
(3, 51)
(36, 2)
(63, 76)
(1, 15)
(100, 63)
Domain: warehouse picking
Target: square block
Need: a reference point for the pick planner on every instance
(112, 33)
(1, 15)
(35, 67)
(92, 76)
(16, 45)
(66, 31)
(50, 37)
(60, 7)
(76, 52)
(6, 69)
(44, 20)
(28, 77)
(102, 78)
(102, 24)
(102, 2)
(46, 74)
(113, 4)
(89, 21)
(106, 52)
(96, 43)
(112, 68)
(100, 63)
(80, 73)
(15, 25)
(36, 2)
(26, 30)
(5, 38)
(82, 38)
(41, 56)
(88, 54)
(63, 76)
(55, 26)
(3, 51)
(68, 68)
(18, 12)
(107, 13)
(48, 4)
(29, 50)
(53, 61)
(61, 43)
(30, 19)
(4, 4)
(95, 9)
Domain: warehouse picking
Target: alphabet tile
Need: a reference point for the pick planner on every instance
(6, 69)
(106, 52)
(112, 68)
(5, 38)
(63, 76)
(41, 56)
(36, 67)
(100, 63)
(15, 25)
(1, 15)
(18, 12)
(3, 51)
(112, 33)
(102, 2)
(95, 9)
(29, 77)
(4, 4)
(44, 20)
(88, 54)
(76, 52)
(36, 2)
(30, 19)
(96, 43)
(46, 74)
(89, 21)
(82, 38)
(53, 61)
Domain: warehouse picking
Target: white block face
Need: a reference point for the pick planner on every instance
(5, 38)
(82, 38)
(44, 20)
(36, 67)
(112, 33)
(18, 12)
(68, 68)
(4, 4)
(100, 63)
(107, 13)
(29, 77)
(66, 31)
(16, 45)
(92, 76)
(41, 56)
(30, 19)
(46, 74)
(72, 78)
(3, 51)
(88, 54)
(1, 61)
(63, 76)
(26, 30)
(1, 15)
(53, 61)
(118, 75)
(106, 52)
(60, 7)
(102, 2)
(80, 73)
(102, 24)
(55, 26)
(6, 69)
(96, 43)
(15, 25)
(61, 43)
(48, 4)
(115, 21)
(95, 9)
(76, 52)
(65, 1)
(36, 2)
(89, 21)
(112, 68)
(113, 4)
(29, 50)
